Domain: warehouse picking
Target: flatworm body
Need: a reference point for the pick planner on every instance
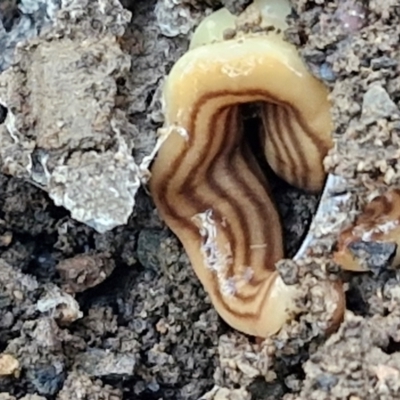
(207, 184)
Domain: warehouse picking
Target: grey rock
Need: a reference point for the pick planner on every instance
(98, 363)
(377, 104)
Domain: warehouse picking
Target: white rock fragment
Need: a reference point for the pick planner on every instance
(59, 305)
(175, 18)
(64, 130)
(99, 189)
(328, 217)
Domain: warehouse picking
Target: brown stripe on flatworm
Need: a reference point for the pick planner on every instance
(280, 133)
(244, 296)
(269, 130)
(293, 142)
(303, 149)
(227, 165)
(239, 163)
(189, 174)
(221, 157)
(216, 186)
(258, 95)
(221, 165)
(191, 135)
(230, 149)
(242, 156)
(285, 136)
(180, 161)
(238, 213)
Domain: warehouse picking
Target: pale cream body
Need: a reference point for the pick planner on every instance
(207, 186)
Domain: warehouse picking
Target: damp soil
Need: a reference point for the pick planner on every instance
(121, 314)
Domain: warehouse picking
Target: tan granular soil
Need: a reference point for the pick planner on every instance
(121, 315)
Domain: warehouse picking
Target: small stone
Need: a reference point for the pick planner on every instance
(162, 326)
(18, 295)
(326, 382)
(84, 271)
(6, 239)
(59, 305)
(48, 379)
(98, 362)
(174, 18)
(374, 255)
(384, 372)
(8, 365)
(352, 15)
(383, 62)
(220, 393)
(248, 369)
(377, 104)
(289, 271)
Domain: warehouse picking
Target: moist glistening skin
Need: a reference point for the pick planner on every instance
(206, 182)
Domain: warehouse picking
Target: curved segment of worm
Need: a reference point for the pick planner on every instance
(208, 187)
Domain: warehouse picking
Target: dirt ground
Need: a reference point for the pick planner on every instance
(86, 314)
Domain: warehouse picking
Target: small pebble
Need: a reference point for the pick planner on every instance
(48, 379)
(98, 362)
(8, 365)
